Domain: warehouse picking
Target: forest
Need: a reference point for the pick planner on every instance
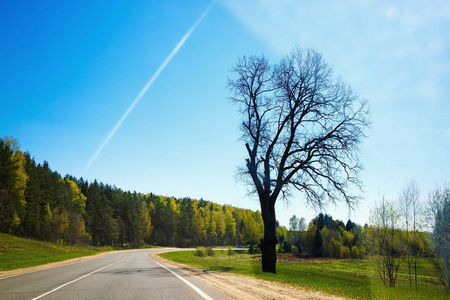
(39, 203)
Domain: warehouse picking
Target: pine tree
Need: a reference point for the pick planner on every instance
(8, 175)
(32, 223)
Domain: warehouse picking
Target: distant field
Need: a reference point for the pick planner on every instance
(349, 278)
(18, 252)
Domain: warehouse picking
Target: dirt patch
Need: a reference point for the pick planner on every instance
(243, 287)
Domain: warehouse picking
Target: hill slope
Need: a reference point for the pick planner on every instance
(16, 252)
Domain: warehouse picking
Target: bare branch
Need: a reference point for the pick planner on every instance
(302, 129)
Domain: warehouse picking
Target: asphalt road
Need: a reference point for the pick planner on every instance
(120, 275)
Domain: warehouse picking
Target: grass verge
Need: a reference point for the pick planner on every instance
(354, 279)
(16, 252)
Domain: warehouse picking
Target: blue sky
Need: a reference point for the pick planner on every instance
(70, 70)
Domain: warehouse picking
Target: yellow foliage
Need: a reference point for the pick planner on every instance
(17, 202)
(146, 220)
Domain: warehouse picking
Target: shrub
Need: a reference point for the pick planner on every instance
(295, 251)
(254, 250)
(230, 251)
(200, 252)
(210, 251)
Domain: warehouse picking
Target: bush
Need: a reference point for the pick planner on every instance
(230, 251)
(254, 250)
(200, 252)
(210, 251)
(295, 251)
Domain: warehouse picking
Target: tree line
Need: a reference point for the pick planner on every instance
(323, 237)
(39, 203)
(326, 237)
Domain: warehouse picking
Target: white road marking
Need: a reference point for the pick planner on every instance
(199, 291)
(84, 276)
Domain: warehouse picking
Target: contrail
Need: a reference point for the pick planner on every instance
(146, 87)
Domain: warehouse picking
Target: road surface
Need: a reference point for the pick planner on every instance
(119, 275)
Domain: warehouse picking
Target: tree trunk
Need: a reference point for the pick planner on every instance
(269, 242)
(269, 254)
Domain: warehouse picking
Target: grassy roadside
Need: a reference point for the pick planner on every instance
(349, 278)
(16, 252)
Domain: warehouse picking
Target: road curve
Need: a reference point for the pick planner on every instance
(119, 275)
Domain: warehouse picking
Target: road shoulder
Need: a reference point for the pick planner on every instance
(243, 287)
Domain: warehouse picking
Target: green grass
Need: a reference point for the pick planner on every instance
(349, 278)
(18, 252)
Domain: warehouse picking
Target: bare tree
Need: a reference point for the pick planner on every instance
(294, 223)
(410, 210)
(296, 228)
(301, 129)
(383, 236)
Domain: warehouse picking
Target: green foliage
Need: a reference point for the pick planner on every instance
(335, 248)
(348, 238)
(200, 252)
(230, 228)
(295, 251)
(345, 252)
(324, 237)
(292, 237)
(355, 252)
(286, 247)
(252, 228)
(309, 238)
(282, 237)
(11, 187)
(210, 251)
(252, 249)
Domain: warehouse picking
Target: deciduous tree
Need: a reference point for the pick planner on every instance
(410, 211)
(301, 129)
(384, 237)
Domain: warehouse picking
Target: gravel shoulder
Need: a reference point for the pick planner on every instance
(243, 287)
